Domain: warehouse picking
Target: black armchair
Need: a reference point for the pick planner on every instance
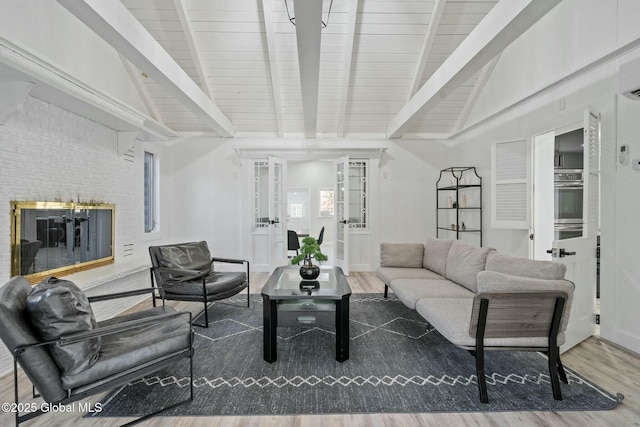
(121, 349)
(185, 272)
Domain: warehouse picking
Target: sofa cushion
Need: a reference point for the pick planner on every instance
(401, 255)
(525, 267)
(464, 262)
(409, 291)
(389, 274)
(492, 281)
(56, 308)
(435, 255)
(451, 318)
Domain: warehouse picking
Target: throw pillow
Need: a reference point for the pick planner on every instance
(56, 308)
(435, 255)
(464, 262)
(407, 255)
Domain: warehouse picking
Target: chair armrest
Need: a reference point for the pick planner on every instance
(106, 297)
(230, 260)
(105, 330)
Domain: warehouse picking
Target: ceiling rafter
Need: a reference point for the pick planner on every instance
(483, 77)
(308, 34)
(187, 29)
(136, 78)
(350, 33)
(427, 44)
(500, 27)
(118, 27)
(267, 13)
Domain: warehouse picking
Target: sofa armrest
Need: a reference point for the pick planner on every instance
(494, 282)
(405, 255)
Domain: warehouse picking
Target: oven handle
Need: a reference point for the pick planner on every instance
(569, 186)
(567, 227)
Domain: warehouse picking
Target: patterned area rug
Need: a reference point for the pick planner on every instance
(398, 363)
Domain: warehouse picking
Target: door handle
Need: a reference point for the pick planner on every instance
(274, 221)
(344, 221)
(560, 253)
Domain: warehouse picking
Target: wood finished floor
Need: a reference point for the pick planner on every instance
(615, 369)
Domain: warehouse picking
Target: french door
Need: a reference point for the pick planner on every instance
(277, 212)
(341, 213)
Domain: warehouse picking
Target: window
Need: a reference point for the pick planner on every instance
(326, 203)
(150, 192)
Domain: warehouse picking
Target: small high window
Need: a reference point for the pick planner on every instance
(150, 192)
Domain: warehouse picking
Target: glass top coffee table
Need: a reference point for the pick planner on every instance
(290, 301)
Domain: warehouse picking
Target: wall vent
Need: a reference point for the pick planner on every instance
(630, 79)
(128, 249)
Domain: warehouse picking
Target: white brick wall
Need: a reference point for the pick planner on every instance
(48, 153)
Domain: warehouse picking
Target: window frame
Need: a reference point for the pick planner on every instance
(151, 185)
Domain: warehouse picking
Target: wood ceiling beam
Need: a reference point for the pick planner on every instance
(500, 27)
(427, 44)
(475, 93)
(187, 29)
(308, 33)
(352, 10)
(136, 78)
(267, 13)
(117, 26)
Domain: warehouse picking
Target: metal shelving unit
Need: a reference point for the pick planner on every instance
(459, 204)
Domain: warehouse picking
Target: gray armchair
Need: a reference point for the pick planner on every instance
(185, 272)
(79, 357)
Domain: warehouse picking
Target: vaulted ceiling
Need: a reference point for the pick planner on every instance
(379, 68)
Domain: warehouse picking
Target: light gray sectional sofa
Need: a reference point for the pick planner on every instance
(526, 302)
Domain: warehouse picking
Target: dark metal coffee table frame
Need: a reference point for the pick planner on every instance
(272, 296)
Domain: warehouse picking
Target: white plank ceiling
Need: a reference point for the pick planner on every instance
(363, 78)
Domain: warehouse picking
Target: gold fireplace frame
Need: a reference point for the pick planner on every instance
(17, 211)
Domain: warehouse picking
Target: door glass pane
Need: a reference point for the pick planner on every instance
(358, 194)
(261, 194)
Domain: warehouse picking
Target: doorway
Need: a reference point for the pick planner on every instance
(569, 197)
(319, 176)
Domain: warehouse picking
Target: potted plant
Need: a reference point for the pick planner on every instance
(309, 249)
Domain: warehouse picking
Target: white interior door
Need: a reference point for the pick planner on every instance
(543, 192)
(277, 212)
(341, 213)
(579, 253)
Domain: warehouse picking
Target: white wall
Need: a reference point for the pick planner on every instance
(202, 188)
(620, 280)
(572, 35)
(408, 174)
(50, 32)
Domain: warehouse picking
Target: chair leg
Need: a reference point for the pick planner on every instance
(563, 375)
(386, 291)
(482, 381)
(553, 373)
(479, 352)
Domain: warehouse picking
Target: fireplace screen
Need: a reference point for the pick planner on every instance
(50, 238)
